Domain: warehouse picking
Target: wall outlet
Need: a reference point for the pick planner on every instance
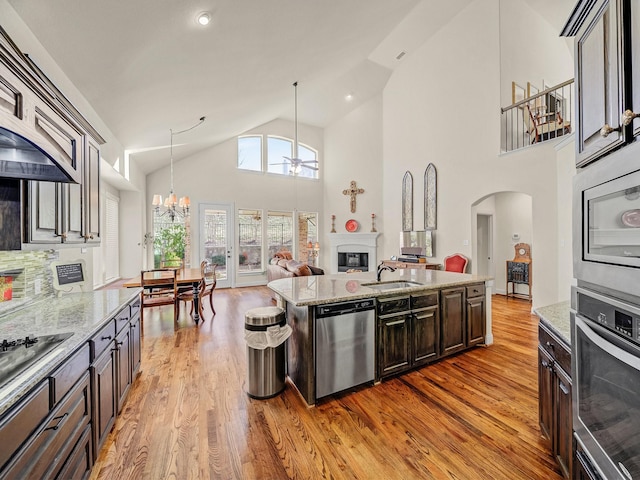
(37, 286)
(465, 243)
(83, 250)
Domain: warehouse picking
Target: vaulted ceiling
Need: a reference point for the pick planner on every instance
(146, 66)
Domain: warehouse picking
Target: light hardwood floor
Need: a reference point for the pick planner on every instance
(471, 416)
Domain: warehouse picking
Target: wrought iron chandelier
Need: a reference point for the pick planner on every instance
(173, 207)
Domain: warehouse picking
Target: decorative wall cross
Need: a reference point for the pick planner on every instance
(353, 191)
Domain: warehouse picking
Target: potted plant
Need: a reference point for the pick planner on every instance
(170, 244)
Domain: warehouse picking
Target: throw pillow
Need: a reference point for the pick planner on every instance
(299, 269)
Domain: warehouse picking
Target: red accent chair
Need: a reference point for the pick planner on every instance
(456, 263)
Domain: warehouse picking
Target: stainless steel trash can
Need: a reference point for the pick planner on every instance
(265, 367)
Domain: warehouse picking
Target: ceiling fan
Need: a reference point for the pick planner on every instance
(296, 163)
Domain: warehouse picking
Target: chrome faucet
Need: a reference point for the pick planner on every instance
(383, 267)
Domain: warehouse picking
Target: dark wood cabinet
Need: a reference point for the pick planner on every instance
(476, 315)
(554, 397)
(394, 330)
(409, 332)
(607, 66)
(91, 230)
(136, 346)
(425, 335)
(48, 450)
(454, 326)
(33, 107)
(103, 378)
(123, 365)
(66, 212)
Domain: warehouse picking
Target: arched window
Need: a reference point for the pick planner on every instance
(278, 152)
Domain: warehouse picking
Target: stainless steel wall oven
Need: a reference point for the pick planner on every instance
(606, 374)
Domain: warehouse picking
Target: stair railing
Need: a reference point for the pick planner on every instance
(539, 118)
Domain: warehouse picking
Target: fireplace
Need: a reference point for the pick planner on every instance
(353, 251)
(353, 261)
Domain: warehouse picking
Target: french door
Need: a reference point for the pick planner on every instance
(216, 240)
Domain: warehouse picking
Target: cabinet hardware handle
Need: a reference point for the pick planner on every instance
(564, 388)
(108, 337)
(551, 345)
(60, 420)
(607, 129)
(119, 344)
(628, 116)
(88, 237)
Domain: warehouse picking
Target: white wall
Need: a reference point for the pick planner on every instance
(530, 50)
(441, 106)
(353, 151)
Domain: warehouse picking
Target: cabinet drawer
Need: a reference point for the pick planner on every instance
(45, 454)
(421, 301)
(22, 421)
(101, 340)
(475, 290)
(393, 305)
(134, 308)
(556, 348)
(68, 374)
(122, 318)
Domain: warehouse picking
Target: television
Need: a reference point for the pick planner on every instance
(417, 243)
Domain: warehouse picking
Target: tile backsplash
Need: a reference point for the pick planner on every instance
(31, 272)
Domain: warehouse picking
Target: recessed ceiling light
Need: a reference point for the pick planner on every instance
(348, 97)
(204, 18)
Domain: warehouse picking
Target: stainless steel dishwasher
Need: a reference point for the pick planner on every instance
(345, 345)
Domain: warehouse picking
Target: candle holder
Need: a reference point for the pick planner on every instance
(373, 222)
(333, 224)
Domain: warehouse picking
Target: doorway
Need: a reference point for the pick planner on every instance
(484, 239)
(216, 240)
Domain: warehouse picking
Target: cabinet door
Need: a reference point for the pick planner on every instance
(425, 335)
(72, 210)
(453, 321)
(123, 366)
(563, 422)
(545, 392)
(136, 346)
(103, 379)
(599, 82)
(476, 324)
(92, 192)
(394, 343)
(44, 219)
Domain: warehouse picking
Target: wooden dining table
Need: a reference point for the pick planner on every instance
(185, 276)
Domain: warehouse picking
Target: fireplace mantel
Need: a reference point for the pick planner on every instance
(353, 242)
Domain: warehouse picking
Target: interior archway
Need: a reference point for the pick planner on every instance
(500, 220)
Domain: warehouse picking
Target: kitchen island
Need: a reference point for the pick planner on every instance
(420, 317)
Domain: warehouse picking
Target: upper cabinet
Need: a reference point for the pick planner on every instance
(61, 200)
(607, 62)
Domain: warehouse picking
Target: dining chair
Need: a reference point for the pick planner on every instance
(455, 263)
(159, 288)
(205, 288)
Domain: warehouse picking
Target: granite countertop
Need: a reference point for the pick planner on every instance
(557, 318)
(323, 289)
(83, 314)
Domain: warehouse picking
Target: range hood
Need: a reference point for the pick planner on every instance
(30, 156)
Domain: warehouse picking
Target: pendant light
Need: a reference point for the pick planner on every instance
(172, 207)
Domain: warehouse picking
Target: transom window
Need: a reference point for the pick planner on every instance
(275, 156)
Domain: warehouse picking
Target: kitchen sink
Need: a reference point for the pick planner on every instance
(18, 355)
(391, 285)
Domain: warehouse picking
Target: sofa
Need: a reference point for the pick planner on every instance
(282, 265)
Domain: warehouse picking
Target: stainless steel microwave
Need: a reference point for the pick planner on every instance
(606, 225)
